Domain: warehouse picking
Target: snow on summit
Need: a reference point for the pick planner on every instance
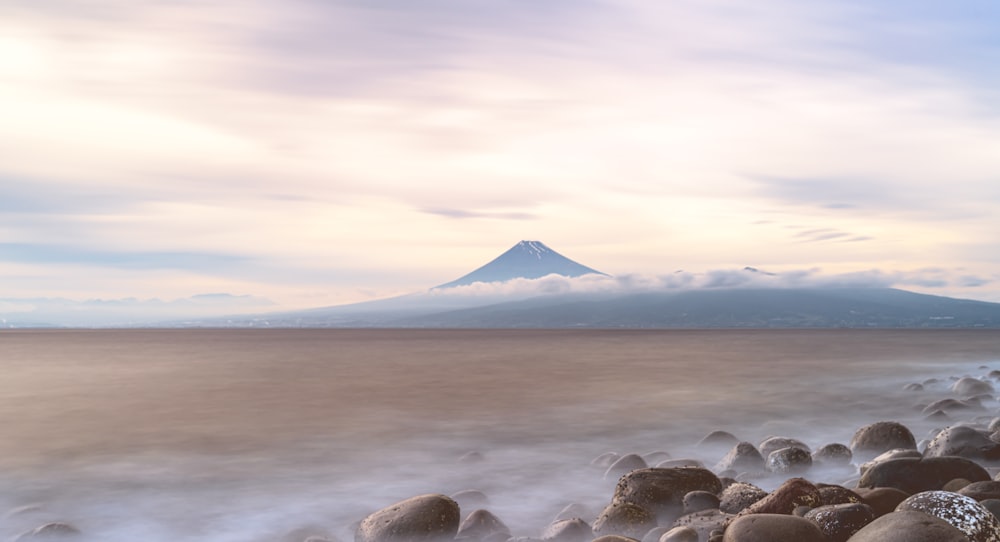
(525, 260)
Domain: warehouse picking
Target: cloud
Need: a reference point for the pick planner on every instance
(460, 213)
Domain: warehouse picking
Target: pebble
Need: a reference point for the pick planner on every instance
(422, 518)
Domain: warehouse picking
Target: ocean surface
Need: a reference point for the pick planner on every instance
(272, 435)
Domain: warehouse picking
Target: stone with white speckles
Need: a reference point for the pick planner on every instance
(964, 513)
(839, 521)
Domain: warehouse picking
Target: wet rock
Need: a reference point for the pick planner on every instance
(831, 494)
(891, 454)
(738, 496)
(876, 438)
(568, 530)
(950, 406)
(783, 500)
(614, 538)
(993, 505)
(49, 531)
(573, 510)
(771, 444)
(962, 512)
(422, 518)
(909, 526)
(773, 528)
(882, 500)
(481, 524)
(791, 460)
(680, 463)
(914, 475)
(840, 521)
(704, 522)
(624, 465)
(981, 490)
(967, 386)
(658, 456)
(696, 501)
(470, 499)
(662, 491)
(624, 518)
(743, 457)
(955, 485)
(680, 534)
(834, 455)
(963, 441)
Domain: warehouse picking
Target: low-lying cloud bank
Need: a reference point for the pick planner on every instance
(925, 279)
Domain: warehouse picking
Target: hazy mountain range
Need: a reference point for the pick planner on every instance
(531, 285)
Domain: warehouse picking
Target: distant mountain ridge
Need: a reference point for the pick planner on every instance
(525, 260)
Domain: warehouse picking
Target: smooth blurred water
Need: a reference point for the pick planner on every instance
(247, 435)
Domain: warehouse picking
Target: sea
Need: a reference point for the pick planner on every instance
(278, 434)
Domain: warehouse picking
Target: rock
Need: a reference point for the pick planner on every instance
(605, 460)
(470, 499)
(963, 441)
(654, 534)
(830, 494)
(883, 500)
(981, 490)
(696, 501)
(771, 444)
(970, 386)
(840, 521)
(835, 454)
(704, 522)
(738, 496)
(948, 406)
(661, 491)
(876, 438)
(914, 475)
(891, 454)
(625, 464)
(614, 538)
(568, 530)
(680, 463)
(308, 534)
(50, 531)
(909, 526)
(718, 440)
(423, 518)
(680, 534)
(481, 524)
(658, 456)
(791, 460)
(955, 485)
(573, 510)
(993, 426)
(472, 457)
(938, 416)
(773, 528)
(993, 505)
(783, 500)
(914, 386)
(743, 457)
(624, 518)
(962, 512)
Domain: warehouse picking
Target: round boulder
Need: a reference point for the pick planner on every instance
(883, 500)
(771, 444)
(963, 441)
(423, 518)
(834, 455)
(876, 438)
(481, 524)
(914, 475)
(787, 497)
(773, 527)
(738, 496)
(623, 465)
(963, 513)
(704, 522)
(967, 386)
(789, 460)
(679, 534)
(909, 526)
(840, 521)
(831, 494)
(696, 501)
(662, 491)
(981, 490)
(568, 530)
(625, 519)
(743, 457)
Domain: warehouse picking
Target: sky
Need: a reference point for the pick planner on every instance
(320, 152)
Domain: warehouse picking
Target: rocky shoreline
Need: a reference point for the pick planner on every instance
(884, 485)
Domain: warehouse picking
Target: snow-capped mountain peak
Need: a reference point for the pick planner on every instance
(525, 260)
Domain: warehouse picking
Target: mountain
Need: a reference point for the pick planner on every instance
(525, 260)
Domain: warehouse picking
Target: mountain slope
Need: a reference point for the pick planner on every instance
(527, 260)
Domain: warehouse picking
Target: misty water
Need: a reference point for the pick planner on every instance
(256, 435)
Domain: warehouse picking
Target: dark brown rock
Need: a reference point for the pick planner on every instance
(680, 463)
(833, 455)
(738, 496)
(790, 460)
(882, 500)
(830, 494)
(839, 521)
(909, 526)
(963, 513)
(661, 491)
(422, 518)
(680, 534)
(704, 522)
(783, 500)
(914, 475)
(773, 528)
(771, 444)
(981, 490)
(624, 518)
(876, 438)
(481, 524)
